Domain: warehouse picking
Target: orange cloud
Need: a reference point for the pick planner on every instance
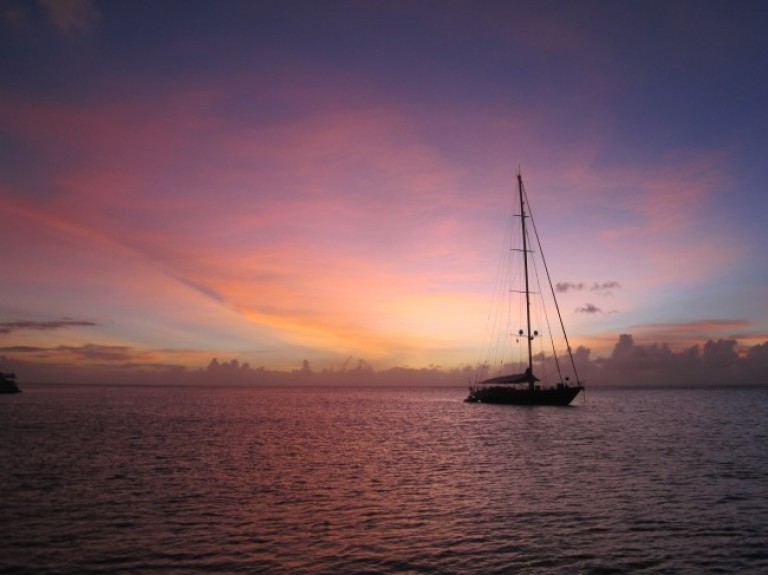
(306, 266)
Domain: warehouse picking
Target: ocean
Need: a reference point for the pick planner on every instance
(100, 479)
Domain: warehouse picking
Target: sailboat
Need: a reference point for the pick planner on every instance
(524, 387)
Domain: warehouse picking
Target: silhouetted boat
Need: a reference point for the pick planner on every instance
(8, 383)
(525, 388)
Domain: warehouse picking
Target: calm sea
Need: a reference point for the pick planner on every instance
(354, 481)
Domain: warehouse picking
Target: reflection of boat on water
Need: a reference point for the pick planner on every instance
(8, 383)
(525, 388)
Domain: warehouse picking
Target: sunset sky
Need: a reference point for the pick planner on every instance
(280, 181)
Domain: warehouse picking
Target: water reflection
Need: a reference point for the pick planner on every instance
(386, 481)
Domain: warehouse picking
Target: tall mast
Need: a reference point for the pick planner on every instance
(527, 288)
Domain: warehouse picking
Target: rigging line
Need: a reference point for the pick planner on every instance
(546, 320)
(495, 320)
(552, 289)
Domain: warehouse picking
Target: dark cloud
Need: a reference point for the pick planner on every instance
(564, 287)
(716, 362)
(603, 287)
(22, 349)
(89, 351)
(589, 309)
(11, 326)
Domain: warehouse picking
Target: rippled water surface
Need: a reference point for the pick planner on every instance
(350, 481)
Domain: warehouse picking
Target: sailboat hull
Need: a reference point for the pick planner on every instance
(560, 395)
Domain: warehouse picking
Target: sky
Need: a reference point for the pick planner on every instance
(280, 182)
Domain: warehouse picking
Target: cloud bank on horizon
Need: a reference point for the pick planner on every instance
(273, 183)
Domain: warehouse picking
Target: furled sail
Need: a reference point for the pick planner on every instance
(525, 377)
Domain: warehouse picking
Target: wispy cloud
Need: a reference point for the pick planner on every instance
(307, 244)
(95, 352)
(7, 327)
(23, 349)
(89, 352)
(703, 325)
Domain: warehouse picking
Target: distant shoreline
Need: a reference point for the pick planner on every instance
(588, 387)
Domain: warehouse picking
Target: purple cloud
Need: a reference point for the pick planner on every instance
(11, 326)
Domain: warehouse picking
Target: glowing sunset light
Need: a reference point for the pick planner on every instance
(236, 187)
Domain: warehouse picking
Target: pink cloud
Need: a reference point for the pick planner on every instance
(315, 227)
(300, 255)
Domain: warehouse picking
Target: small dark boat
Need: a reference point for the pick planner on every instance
(525, 388)
(8, 383)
